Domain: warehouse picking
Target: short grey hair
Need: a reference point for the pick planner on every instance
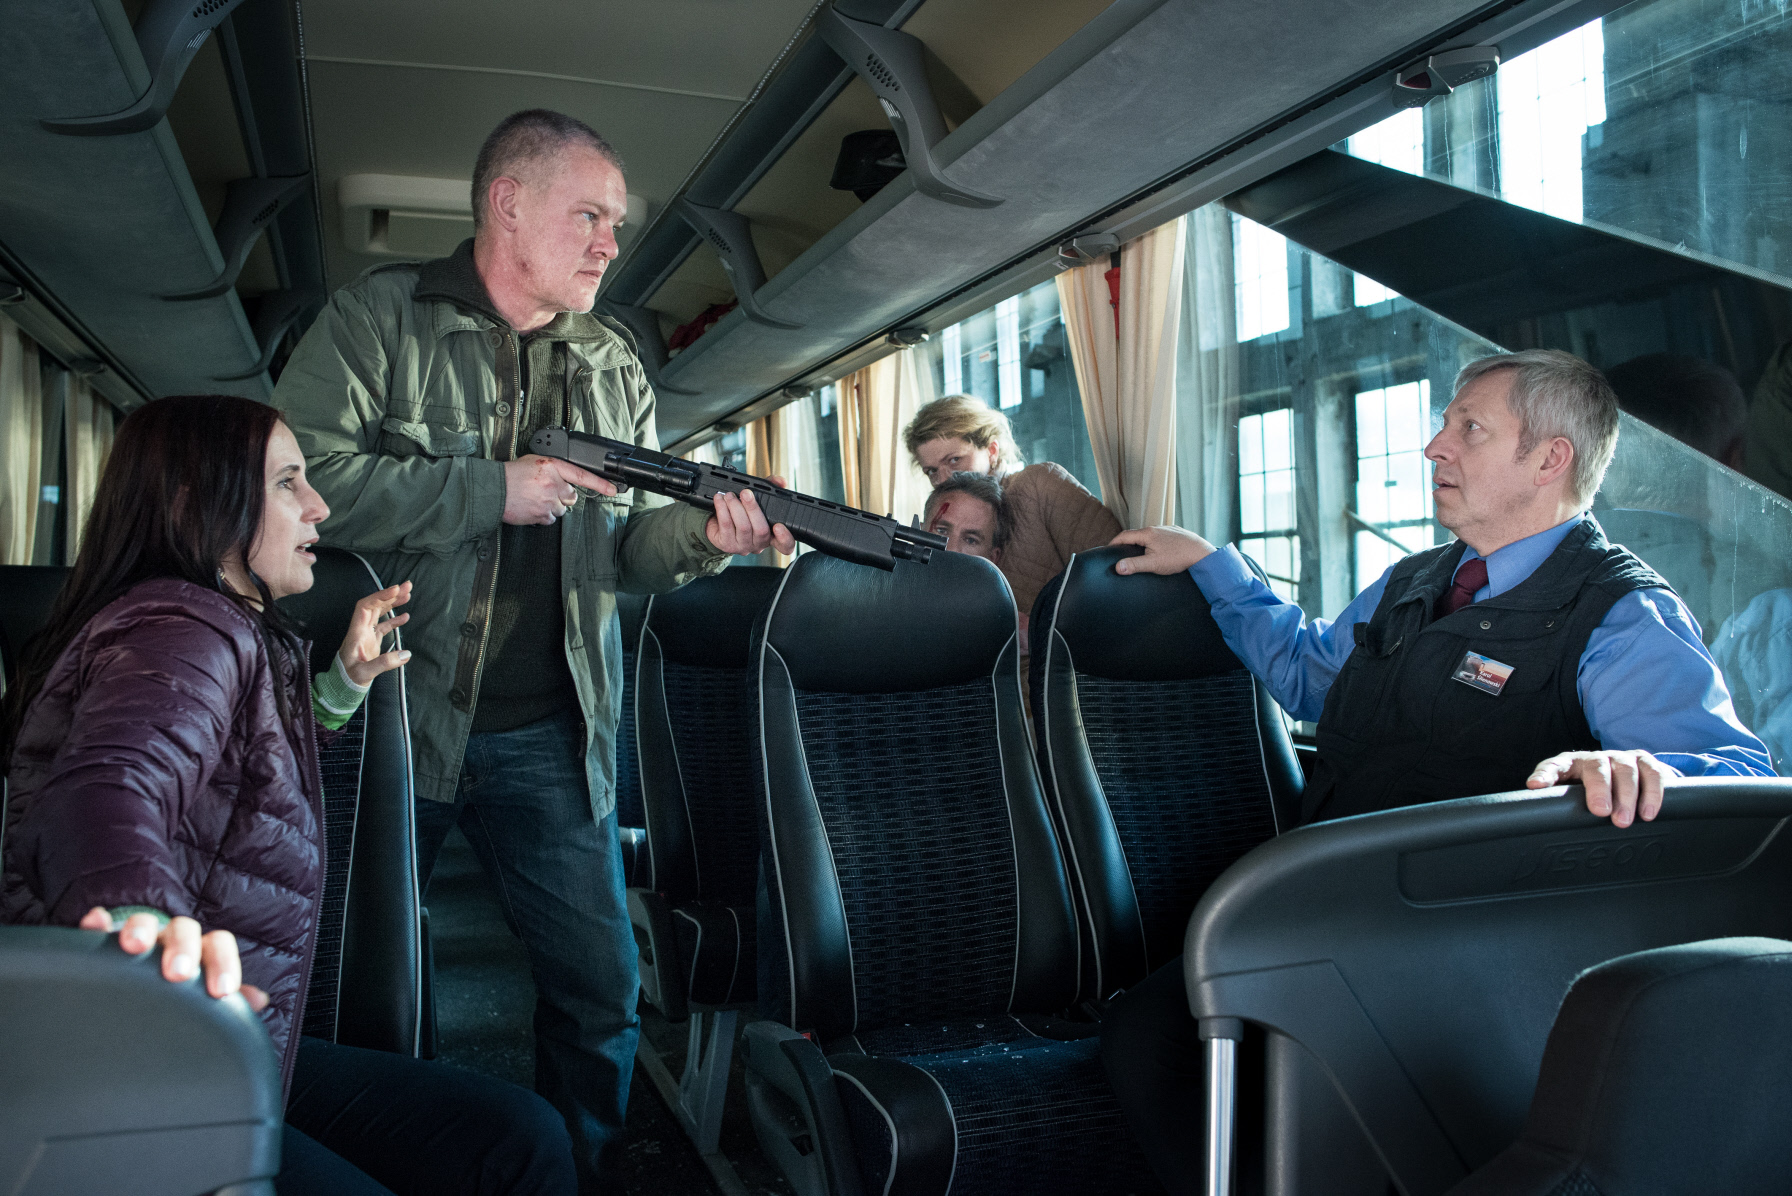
(523, 140)
(1557, 394)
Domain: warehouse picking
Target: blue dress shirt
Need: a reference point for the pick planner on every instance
(1645, 679)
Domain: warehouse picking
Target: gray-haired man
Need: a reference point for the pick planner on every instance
(410, 397)
(1528, 652)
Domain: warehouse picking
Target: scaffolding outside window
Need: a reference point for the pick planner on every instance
(1393, 479)
(1266, 510)
(1260, 269)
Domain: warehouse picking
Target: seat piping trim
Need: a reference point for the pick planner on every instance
(690, 979)
(995, 699)
(1068, 847)
(684, 799)
(653, 864)
(890, 1179)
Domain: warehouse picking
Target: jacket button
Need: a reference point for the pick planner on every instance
(502, 408)
(497, 338)
(469, 629)
(458, 697)
(485, 553)
(1485, 625)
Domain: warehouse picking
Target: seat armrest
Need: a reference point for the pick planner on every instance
(662, 976)
(784, 1060)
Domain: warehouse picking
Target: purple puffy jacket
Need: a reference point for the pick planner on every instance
(153, 769)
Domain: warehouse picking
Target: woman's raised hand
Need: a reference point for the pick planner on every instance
(373, 620)
(185, 951)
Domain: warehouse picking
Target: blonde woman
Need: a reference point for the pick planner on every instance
(1053, 516)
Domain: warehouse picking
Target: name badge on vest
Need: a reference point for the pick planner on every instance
(1483, 673)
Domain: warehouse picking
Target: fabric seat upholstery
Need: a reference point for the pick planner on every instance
(1165, 758)
(916, 882)
(695, 730)
(631, 611)
(368, 973)
(1665, 1072)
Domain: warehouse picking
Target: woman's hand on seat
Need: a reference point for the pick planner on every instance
(368, 628)
(184, 952)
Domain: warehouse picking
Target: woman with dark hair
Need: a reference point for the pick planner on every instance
(161, 747)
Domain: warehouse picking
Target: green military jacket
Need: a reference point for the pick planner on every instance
(405, 406)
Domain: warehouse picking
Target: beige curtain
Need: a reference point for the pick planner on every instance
(787, 444)
(90, 423)
(876, 404)
(1208, 378)
(708, 453)
(21, 444)
(1128, 376)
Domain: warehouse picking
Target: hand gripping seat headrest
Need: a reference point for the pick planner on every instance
(1666, 1071)
(1142, 627)
(709, 623)
(114, 1080)
(845, 628)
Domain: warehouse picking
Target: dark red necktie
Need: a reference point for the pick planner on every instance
(1471, 577)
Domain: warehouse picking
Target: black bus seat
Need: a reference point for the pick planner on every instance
(916, 882)
(26, 594)
(1666, 1071)
(112, 1079)
(1417, 958)
(696, 725)
(631, 826)
(1166, 760)
(369, 975)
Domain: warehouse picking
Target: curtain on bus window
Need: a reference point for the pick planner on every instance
(876, 404)
(90, 422)
(1208, 375)
(21, 443)
(787, 444)
(1126, 369)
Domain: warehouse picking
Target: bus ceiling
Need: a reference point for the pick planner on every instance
(183, 253)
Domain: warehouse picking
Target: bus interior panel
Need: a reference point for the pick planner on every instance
(1334, 780)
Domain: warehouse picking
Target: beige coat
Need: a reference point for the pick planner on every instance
(1054, 517)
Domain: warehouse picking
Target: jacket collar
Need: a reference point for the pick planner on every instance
(1550, 586)
(453, 284)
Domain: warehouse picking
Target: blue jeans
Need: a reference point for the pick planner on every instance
(524, 804)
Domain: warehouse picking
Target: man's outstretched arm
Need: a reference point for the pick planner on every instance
(1298, 660)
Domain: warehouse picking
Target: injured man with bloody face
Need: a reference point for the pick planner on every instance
(969, 510)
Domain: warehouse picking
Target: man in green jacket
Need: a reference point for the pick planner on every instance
(410, 397)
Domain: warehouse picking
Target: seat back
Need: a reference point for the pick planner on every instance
(1166, 759)
(1665, 1072)
(631, 612)
(26, 594)
(914, 873)
(694, 715)
(116, 1080)
(367, 974)
(1421, 954)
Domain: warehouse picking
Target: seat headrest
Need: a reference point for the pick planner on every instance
(1693, 1037)
(1144, 627)
(710, 621)
(845, 628)
(338, 581)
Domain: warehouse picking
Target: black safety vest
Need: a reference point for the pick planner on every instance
(1398, 728)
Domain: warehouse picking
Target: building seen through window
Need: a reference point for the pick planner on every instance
(1015, 357)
